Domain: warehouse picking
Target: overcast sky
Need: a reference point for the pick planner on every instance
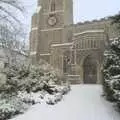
(94, 9)
(83, 9)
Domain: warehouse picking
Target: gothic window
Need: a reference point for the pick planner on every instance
(67, 62)
(77, 46)
(53, 5)
(73, 57)
(82, 44)
(91, 43)
(95, 46)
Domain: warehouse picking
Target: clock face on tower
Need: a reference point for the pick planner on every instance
(52, 20)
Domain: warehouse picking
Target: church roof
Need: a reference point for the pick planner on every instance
(89, 31)
(62, 45)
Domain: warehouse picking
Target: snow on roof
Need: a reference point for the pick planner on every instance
(60, 45)
(73, 75)
(111, 39)
(89, 31)
(116, 77)
(38, 9)
(47, 54)
(34, 28)
(33, 53)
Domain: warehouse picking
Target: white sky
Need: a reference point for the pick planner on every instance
(94, 9)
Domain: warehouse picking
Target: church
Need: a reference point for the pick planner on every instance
(75, 49)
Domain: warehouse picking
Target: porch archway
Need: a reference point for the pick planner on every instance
(90, 70)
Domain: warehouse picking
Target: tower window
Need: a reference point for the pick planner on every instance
(53, 5)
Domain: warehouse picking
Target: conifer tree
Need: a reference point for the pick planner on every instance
(111, 68)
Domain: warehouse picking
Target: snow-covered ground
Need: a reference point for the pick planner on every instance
(84, 102)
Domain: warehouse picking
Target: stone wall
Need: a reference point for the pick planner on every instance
(96, 25)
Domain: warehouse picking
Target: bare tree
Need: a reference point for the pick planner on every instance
(12, 35)
(9, 10)
(12, 42)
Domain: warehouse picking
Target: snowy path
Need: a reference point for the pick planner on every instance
(84, 102)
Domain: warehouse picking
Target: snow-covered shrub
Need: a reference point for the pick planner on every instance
(63, 89)
(111, 83)
(27, 77)
(50, 99)
(10, 107)
(31, 98)
(39, 97)
(53, 99)
(29, 84)
(115, 82)
(59, 91)
(30, 78)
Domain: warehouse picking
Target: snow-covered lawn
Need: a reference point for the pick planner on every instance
(84, 102)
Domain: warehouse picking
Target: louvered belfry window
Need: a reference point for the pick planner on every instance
(53, 5)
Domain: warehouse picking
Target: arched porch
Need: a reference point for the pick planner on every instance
(90, 70)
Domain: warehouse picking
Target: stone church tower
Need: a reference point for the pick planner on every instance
(75, 49)
(49, 26)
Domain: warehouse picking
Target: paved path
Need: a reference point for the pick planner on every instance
(84, 102)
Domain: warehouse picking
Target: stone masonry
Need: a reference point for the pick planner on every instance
(75, 49)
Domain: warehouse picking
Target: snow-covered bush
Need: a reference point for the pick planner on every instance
(29, 84)
(27, 77)
(44, 96)
(30, 78)
(111, 83)
(31, 98)
(53, 99)
(63, 89)
(57, 96)
(10, 107)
